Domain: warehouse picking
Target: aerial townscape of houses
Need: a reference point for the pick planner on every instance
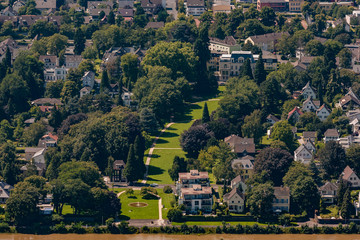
(87, 86)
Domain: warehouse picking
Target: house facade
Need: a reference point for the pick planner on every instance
(226, 46)
(230, 64)
(308, 92)
(303, 154)
(5, 192)
(331, 135)
(241, 146)
(266, 42)
(328, 192)
(195, 7)
(88, 79)
(281, 202)
(350, 176)
(243, 166)
(235, 201)
(323, 112)
(196, 198)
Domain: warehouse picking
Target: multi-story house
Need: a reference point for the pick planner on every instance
(194, 191)
(5, 190)
(196, 198)
(308, 92)
(244, 166)
(50, 61)
(295, 5)
(294, 115)
(214, 63)
(350, 176)
(328, 192)
(72, 61)
(309, 135)
(281, 202)
(310, 105)
(349, 101)
(235, 200)
(323, 112)
(53, 74)
(270, 61)
(277, 5)
(266, 42)
(331, 135)
(88, 79)
(227, 45)
(303, 154)
(241, 146)
(195, 7)
(230, 64)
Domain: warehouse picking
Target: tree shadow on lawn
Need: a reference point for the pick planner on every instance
(169, 135)
(187, 117)
(161, 141)
(123, 217)
(152, 156)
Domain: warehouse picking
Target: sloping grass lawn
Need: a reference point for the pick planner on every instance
(128, 212)
(161, 161)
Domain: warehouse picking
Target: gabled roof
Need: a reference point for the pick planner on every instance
(329, 186)
(307, 86)
(309, 134)
(244, 164)
(295, 110)
(331, 133)
(50, 101)
(40, 4)
(302, 147)
(232, 193)
(118, 164)
(311, 143)
(272, 117)
(195, 3)
(269, 37)
(126, 12)
(321, 108)
(281, 191)
(154, 25)
(229, 40)
(236, 180)
(347, 173)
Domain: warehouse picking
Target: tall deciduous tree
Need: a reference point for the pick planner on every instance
(333, 159)
(194, 139)
(275, 162)
(105, 84)
(259, 200)
(179, 165)
(130, 68)
(148, 121)
(252, 127)
(283, 131)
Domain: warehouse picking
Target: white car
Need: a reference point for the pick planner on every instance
(154, 185)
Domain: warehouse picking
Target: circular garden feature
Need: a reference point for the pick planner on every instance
(138, 204)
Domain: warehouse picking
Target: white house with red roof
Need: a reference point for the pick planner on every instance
(48, 140)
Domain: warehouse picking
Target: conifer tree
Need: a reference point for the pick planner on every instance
(139, 149)
(131, 171)
(79, 41)
(7, 58)
(111, 18)
(347, 208)
(259, 72)
(341, 192)
(104, 81)
(246, 69)
(205, 116)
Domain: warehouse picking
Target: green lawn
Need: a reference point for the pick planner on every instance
(220, 223)
(67, 209)
(166, 199)
(162, 159)
(149, 212)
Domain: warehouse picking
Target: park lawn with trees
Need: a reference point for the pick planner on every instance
(151, 211)
(218, 223)
(167, 200)
(161, 159)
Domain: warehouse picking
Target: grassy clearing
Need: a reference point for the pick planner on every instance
(219, 223)
(161, 161)
(67, 209)
(151, 211)
(166, 201)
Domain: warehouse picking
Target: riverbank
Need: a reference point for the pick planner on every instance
(171, 237)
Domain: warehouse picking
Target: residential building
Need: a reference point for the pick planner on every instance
(8, 11)
(196, 198)
(7, 43)
(350, 176)
(309, 135)
(222, 2)
(127, 99)
(72, 61)
(241, 146)
(310, 105)
(47, 102)
(295, 5)
(239, 183)
(228, 45)
(126, 13)
(331, 135)
(235, 200)
(100, 4)
(53, 74)
(5, 190)
(194, 177)
(270, 61)
(266, 42)
(277, 5)
(30, 152)
(45, 5)
(50, 61)
(244, 166)
(214, 63)
(349, 140)
(154, 25)
(349, 101)
(294, 115)
(48, 140)
(17, 5)
(195, 7)
(128, 4)
(85, 91)
(230, 64)
(328, 5)
(221, 9)
(353, 114)
(310, 145)
(328, 192)
(323, 112)
(117, 173)
(150, 5)
(355, 124)
(272, 119)
(303, 154)
(88, 79)
(95, 12)
(281, 202)
(308, 92)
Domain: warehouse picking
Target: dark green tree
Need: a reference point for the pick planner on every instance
(148, 121)
(139, 149)
(333, 160)
(347, 207)
(79, 41)
(105, 84)
(131, 171)
(179, 165)
(205, 116)
(259, 200)
(246, 69)
(111, 18)
(259, 71)
(7, 59)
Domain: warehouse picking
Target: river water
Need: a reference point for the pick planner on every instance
(175, 237)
